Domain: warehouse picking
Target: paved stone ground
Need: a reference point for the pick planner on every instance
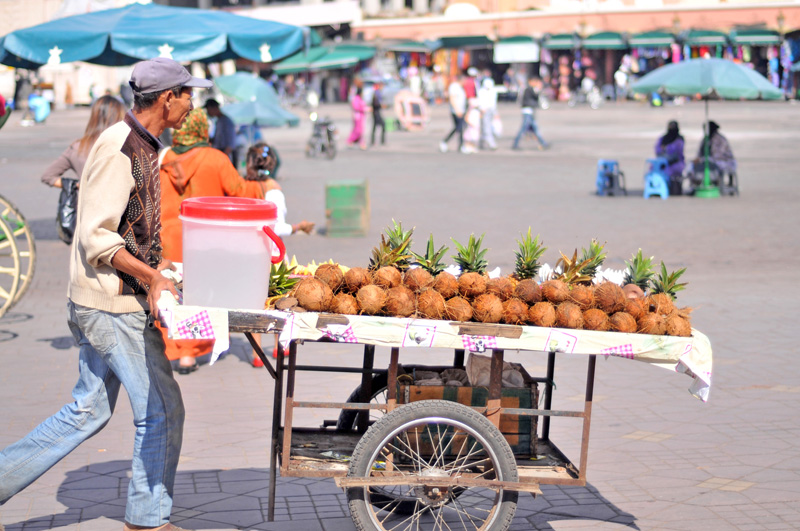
(659, 459)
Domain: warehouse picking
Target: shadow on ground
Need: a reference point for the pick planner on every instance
(238, 499)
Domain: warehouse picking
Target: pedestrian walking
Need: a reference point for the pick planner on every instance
(487, 103)
(377, 118)
(115, 282)
(530, 102)
(458, 107)
(224, 138)
(359, 109)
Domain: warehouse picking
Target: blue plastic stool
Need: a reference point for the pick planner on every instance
(610, 180)
(656, 180)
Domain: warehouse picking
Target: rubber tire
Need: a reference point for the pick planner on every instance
(313, 148)
(330, 150)
(367, 445)
(347, 418)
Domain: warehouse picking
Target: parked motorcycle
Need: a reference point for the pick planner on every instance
(323, 138)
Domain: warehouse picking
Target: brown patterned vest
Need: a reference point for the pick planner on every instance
(140, 226)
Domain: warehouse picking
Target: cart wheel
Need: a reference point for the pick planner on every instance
(433, 438)
(348, 418)
(10, 273)
(26, 245)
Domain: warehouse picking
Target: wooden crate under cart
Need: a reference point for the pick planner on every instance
(520, 431)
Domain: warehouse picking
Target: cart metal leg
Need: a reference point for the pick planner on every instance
(391, 380)
(493, 406)
(587, 415)
(548, 394)
(277, 406)
(366, 387)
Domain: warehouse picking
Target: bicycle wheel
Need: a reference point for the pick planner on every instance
(433, 439)
(9, 267)
(330, 150)
(26, 245)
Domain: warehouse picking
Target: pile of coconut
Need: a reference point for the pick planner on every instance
(472, 296)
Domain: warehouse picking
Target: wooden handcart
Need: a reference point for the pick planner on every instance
(438, 464)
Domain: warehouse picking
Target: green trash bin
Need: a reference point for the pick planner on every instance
(347, 208)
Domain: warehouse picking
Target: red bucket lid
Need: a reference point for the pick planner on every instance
(229, 208)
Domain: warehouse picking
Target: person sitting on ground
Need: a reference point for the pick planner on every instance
(670, 147)
(720, 156)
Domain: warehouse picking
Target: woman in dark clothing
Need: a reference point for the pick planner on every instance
(670, 146)
(720, 157)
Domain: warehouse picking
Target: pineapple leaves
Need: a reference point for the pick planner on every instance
(470, 256)
(280, 281)
(639, 271)
(666, 282)
(530, 251)
(431, 261)
(593, 257)
(573, 270)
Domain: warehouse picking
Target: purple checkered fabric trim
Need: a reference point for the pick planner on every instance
(345, 336)
(479, 343)
(196, 327)
(623, 351)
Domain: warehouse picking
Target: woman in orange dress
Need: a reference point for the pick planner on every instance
(192, 168)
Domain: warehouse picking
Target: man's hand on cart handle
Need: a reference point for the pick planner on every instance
(153, 279)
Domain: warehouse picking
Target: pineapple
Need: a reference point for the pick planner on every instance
(280, 279)
(595, 256)
(470, 256)
(664, 286)
(528, 255)
(640, 271)
(573, 270)
(389, 254)
(400, 239)
(668, 282)
(432, 260)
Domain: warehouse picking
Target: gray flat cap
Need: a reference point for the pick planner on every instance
(161, 74)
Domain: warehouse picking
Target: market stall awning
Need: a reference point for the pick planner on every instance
(560, 41)
(326, 58)
(410, 46)
(652, 39)
(466, 42)
(518, 49)
(705, 38)
(605, 40)
(316, 14)
(755, 37)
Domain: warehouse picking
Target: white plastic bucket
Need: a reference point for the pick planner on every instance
(227, 251)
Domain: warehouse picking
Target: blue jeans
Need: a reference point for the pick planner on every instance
(528, 124)
(114, 349)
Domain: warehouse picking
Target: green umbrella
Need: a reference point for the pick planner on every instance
(260, 114)
(244, 86)
(708, 78)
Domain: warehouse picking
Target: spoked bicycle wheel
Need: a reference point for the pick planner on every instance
(9, 268)
(26, 245)
(441, 441)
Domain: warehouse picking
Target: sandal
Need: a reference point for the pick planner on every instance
(188, 369)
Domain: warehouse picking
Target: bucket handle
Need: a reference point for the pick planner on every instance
(278, 242)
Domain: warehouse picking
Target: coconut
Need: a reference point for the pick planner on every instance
(662, 302)
(313, 294)
(356, 278)
(446, 284)
(371, 299)
(286, 303)
(430, 304)
(677, 325)
(555, 291)
(542, 314)
(344, 303)
(331, 275)
(651, 323)
(500, 286)
(595, 319)
(583, 296)
(622, 322)
(636, 307)
(528, 291)
(515, 311)
(417, 279)
(400, 302)
(458, 309)
(609, 297)
(632, 291)
(569, 315)
(487, 308)
(471, 284)
(387, 277)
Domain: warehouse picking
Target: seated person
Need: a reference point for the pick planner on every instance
(720, 157)
(670, 147)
